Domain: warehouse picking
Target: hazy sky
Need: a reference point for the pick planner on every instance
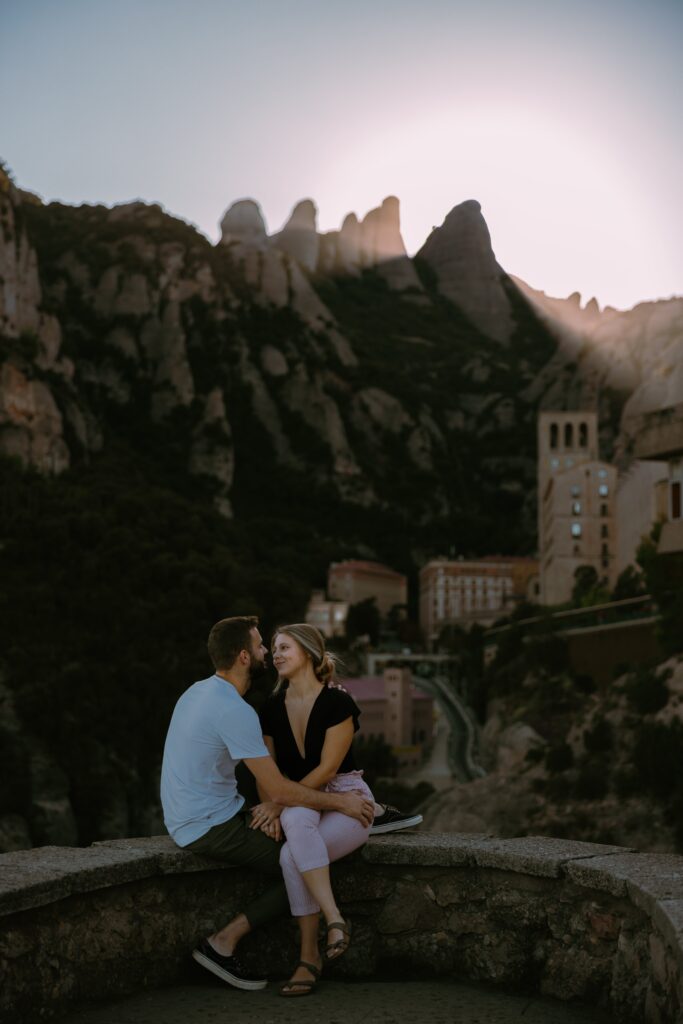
(562, 119)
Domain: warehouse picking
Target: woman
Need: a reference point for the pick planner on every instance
(308, 727)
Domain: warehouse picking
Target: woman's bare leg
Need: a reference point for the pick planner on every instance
(308, 928)
(318, 884)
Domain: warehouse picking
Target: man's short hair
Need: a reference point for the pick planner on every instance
(228, 637)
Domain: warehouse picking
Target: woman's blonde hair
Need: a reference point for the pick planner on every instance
(313, 642)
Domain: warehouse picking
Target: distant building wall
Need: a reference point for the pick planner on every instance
(459, 592)
(354, 581)
(392, 708)
(329, 616)
(641, 500)
(602, 650)
(566, 441)
(579, 527)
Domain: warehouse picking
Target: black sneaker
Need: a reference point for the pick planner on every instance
(392, 820)
(228, 968)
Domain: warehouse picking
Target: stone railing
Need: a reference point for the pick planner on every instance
(572, 920)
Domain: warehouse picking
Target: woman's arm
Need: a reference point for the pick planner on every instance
(338, 739)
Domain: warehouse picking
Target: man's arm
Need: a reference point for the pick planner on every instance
(290, 794)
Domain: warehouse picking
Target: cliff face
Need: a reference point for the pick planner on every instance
(334, 353)
(329, 354)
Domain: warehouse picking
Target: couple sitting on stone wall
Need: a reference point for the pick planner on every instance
(311, 793)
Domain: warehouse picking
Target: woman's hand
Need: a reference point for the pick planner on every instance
(265, 815)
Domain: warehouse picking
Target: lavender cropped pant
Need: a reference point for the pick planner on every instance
(317, 838)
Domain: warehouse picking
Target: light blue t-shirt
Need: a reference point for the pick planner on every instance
(211, 730)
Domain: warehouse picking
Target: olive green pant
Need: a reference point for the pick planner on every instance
(235, 843)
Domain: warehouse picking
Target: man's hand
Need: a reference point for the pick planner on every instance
(274, 830)
(357, 806)
(265, 814)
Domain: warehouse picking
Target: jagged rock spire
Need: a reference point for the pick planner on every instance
(460, 253)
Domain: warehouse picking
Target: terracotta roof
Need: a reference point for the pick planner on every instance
(354, 565)
(372, 688)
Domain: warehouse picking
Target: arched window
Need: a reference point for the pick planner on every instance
(553, 435)
(583, 435)
(569, 435)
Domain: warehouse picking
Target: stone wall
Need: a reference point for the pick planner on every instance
(572, 920)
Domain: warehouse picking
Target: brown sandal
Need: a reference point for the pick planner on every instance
(339, 947)
(301, 988)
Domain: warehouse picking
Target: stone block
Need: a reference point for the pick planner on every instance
(409, 908)
(32, 878)
(535, 855)
(422, 848)
(667, 916)
(644, 877)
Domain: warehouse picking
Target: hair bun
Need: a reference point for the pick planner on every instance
(325, 670)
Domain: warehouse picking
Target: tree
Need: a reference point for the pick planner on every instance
(630, 583)
(363, 620)
(588, 588)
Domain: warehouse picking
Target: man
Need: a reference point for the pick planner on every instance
(211, 730)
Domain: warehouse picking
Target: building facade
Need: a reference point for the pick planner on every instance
(642, 500)
(353, 581)
(393, 709)
(660, 438)
(576, 504)
(329, 616)
(459, 592)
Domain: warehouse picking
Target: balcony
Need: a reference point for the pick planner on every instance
(508, 923)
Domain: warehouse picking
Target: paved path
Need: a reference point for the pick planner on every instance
(337, 1002)
(437, 770)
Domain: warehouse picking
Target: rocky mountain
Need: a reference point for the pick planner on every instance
(637, 352)
(332, 354)
(192, 429)
(601, 770)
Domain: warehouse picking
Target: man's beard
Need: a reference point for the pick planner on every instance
(257, 669)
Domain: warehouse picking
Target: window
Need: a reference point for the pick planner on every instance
(553, 435)
(583, 435)
(675, 499)
(604, 531)
(577, 551)
(576, 491)
(602, 473)
(603, 490)
(604, 551)
(576, 529)
(554, 463)
(568, 435)
(603, 510)
(605, 563)
(576, 508)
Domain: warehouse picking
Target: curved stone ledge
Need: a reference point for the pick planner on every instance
(572, 920)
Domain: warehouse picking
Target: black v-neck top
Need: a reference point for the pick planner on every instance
(331, 707)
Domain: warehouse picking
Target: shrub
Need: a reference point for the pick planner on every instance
(658, 756)
(599, 738)
(559, 758)
(647, 691)
(591, 783)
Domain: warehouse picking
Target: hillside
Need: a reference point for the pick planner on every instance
(192, 430)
